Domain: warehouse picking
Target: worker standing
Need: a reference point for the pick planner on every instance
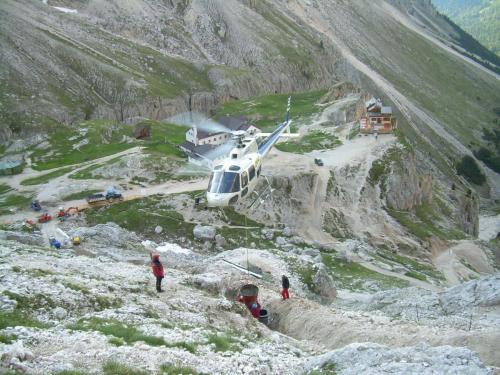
(158, 271)
(285, 283)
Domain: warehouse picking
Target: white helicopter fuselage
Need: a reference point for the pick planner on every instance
(237, 177)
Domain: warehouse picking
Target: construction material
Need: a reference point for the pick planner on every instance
(240, 268)
(44, 218)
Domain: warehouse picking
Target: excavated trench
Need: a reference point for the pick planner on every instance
(322, 325)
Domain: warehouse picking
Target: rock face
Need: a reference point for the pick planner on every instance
(421, 359)
(204, 232)
(324, 284)
(467, 213)
(405, 189)
(480, 292)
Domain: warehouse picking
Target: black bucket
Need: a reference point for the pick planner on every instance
(264, 317)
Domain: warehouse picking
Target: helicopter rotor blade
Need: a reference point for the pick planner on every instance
(198, 120)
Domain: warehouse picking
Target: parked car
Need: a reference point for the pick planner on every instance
(318, 161)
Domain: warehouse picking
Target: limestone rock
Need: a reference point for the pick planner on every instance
(323, 283)
(220, 240)
(204, 232)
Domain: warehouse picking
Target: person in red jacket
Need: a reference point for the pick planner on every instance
(157, 268)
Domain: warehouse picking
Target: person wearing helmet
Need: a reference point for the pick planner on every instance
(158, 271)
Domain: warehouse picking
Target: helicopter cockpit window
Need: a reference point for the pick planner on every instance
(251, 172)
(224, 182)
(244, 179)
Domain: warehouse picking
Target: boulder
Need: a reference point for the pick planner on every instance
(208, 281)
(17, 351)
(323, 283)
(158, 229)
(60, 313)
(480, 292)
(220, 240)
(281, 241)
(204, 232)
(35, 239)
(288, 232)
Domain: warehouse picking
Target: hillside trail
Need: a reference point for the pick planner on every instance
(460, 260)
(316, 19)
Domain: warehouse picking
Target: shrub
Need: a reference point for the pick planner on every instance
(468, 168)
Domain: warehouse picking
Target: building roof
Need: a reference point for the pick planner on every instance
(233, 122)
(386, 110)
(207, 150)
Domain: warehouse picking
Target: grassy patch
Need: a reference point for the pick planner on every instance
(104, 138)
(416, 275)
(223, 343)
(80, 195)
(414, 265)
(313, 140)
(19, 318)
(112, 327)
(168, 369)
(7, 339)
(76, 287)
(115, 368)
(45, 177)
(142, 216)
(72, 372)
(13, 201)
(4, 188)
(351, 275)
(232, 217)
(268, 110)
(425, 222)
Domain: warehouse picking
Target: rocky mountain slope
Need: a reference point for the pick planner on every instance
(390, 241)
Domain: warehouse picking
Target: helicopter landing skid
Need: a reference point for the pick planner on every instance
(268, 191)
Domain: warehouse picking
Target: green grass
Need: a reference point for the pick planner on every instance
(14, 201)
(425, 222)
(269, 110)
(76, 287)
(45, 177)
(223, 343)
(80, 195)
(351, 275)
(4, 188)
(115, 368)
(104, 140)
(413, 264)
(416, 275)
(7, 339)
(72, 372)
(112, 327)
(19, 318)
(142, 216)
(313, 140)
(168, 369)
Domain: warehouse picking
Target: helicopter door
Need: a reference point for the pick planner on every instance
(244, 183)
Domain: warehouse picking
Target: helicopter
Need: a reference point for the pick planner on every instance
(237, 176)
